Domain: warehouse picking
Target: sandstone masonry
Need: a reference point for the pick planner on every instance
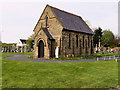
(68, 32)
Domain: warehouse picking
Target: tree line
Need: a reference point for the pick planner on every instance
(106, 38)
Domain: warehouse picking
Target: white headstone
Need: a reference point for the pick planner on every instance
(99, 46)
(96, 48)
(56, 52)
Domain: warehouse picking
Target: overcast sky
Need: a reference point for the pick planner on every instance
(18, 19)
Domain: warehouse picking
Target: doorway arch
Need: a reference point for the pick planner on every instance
(41, 49)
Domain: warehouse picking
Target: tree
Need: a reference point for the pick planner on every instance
(30, 41)
(97, 35)
(107, 38)
(116, 41)
(0, 46)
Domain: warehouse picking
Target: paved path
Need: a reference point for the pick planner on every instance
(23, 58)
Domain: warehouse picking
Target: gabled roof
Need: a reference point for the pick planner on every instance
(71, 21)
(49, 35)
(23, 41)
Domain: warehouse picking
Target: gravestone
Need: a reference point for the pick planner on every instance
(96, 49)
(99, 47)
(13, 48)
(116, 51)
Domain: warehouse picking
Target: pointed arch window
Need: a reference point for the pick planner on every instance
(60, 47)
(77, 41)
(69, 41)
(88, 42)
(83, 41)
(46, 21)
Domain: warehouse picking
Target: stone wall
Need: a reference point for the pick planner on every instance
(41, 36)
(74, 48)
(61, 38)
(54, 27)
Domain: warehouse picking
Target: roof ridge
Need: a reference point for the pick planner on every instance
(22, 39)
(64, 11)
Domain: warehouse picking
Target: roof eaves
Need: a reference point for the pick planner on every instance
(87, 26)
(40, 17)
(77, 31)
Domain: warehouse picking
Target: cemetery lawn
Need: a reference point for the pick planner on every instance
(25, 53)
(19, 74)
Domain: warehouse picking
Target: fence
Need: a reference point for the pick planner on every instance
(109, 58)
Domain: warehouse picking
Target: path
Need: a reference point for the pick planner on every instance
(23, 58)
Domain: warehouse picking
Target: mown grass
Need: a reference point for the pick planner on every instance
(18, 74)
(25, 53)
(0, 71)
(30, 56)
(5, 56)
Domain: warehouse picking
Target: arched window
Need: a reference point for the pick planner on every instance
(80, 47)
(83, 41)
(60, 47)
(76, 40)
(46, 21)
(88, 42)
(91, 47)
(69, 41)
(86, 45)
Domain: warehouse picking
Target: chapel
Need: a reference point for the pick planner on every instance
(59, 33)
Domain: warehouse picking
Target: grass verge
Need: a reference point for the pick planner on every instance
(25, 53)
(18, 74)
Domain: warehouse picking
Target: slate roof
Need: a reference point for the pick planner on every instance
(71, 22)
(32, 42)
(49, 35)
(23, 41)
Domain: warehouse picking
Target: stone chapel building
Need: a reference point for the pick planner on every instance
(59, 33)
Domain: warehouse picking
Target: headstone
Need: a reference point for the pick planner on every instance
(97, 59)
(96, 48)
(99, 46)
(114, 56)
(116, 59)
(116, 51)
(56, 52)
(104, 58)
(13, 48)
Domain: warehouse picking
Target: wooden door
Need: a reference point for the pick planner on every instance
(41, 49)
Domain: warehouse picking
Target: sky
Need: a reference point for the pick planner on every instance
(119, 18)
(18, 18)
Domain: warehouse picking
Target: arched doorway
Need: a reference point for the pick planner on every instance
(41, 49)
